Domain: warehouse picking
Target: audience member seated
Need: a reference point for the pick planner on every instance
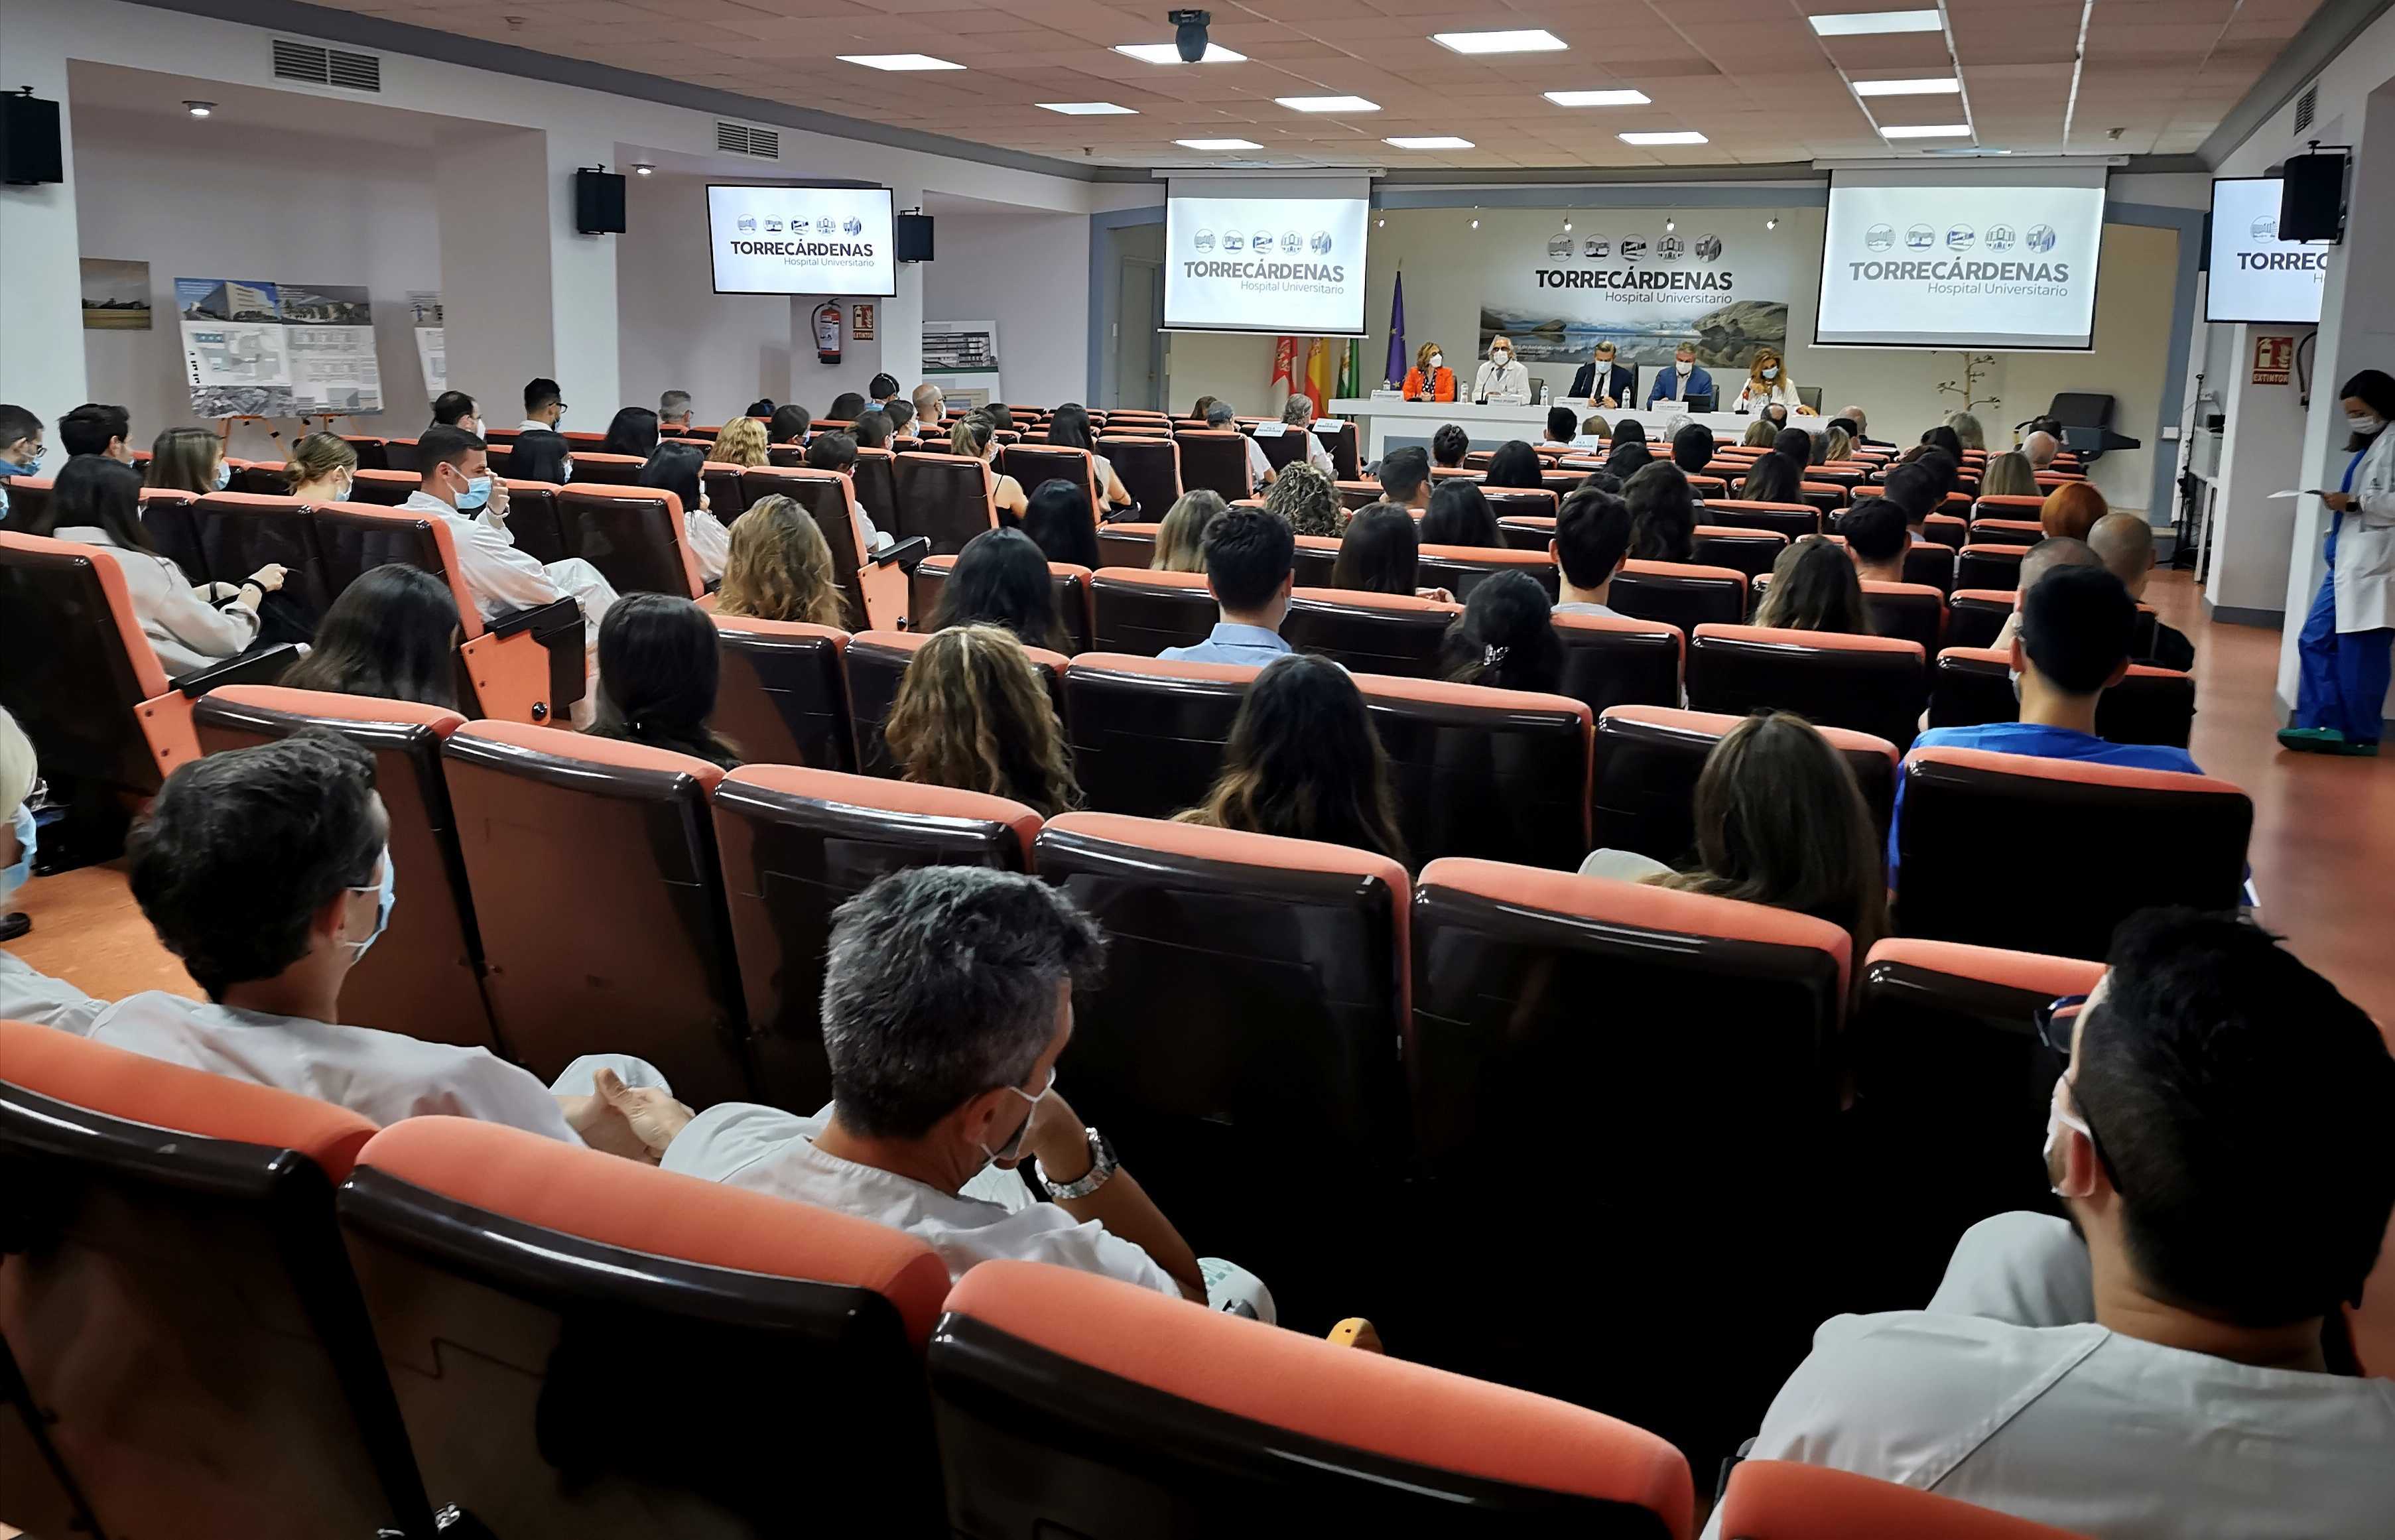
(1780, 821)
(658, 668)
(762, 407)
(1058, 519)
(1945, 437)
(322, 469)
(947, 999)
(97, 501)
(1297, 416)
(1772, 478)
(871, 429)
(459, 410)
(970, 436)
(1762, 433)
(788, 424)
(1876, 539)
(1967, 433)
(1800, 448)
(1306, 499)
(1303, 761)
(1381, 553)
(1862, 428)
(2152, 1365)
(392, 634)
(1460, 515)
(1563, 426)
(1692, 448)
(1513, 464)
(20, 451)
(2041, 447)
(1250, 567)
(632, 432)
(1068, 428)
(1813, 588)
(536, 457)
(2124, 543)
(847, 407)
(26, 995)
(1913, 487)
(1662, 515)
(1505, 638)
(459, 490)
(972, 714)
(1447, 447)
(188, 459)
(543, 407)
(882, 389)
(740, 442)
(1630, 452)
(931, 406)
(1180, 539)
(779, 569)
(676, 468)
(2008, 475)
(2072, 510)
(1592, 540)
(673, 410)
(1000, 578)
(96, 428)
(1221, 419)
(1838, 444)
(2076, 624)
(267, 870)
(2048, 555)
(834, 450)
(1595, 434)
(903, 430)
(1405, 478)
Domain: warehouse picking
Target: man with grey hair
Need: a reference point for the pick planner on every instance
(2041, 447)
(931, 406)
(673, 409)
(1297, 416)
(1862, 427)
(947, 999)
(1221, 419)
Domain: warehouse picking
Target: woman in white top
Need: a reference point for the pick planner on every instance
(675, 467)
(1068, 428)
(1769, 384)
(97, 501)
(971, 435)
(1297, 416)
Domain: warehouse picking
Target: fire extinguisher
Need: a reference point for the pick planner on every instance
(827, 322)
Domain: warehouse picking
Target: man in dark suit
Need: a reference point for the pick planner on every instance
(1603, 382)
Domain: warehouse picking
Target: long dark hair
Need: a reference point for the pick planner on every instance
(633, 431)
(538, 457)
(657, 672)
(1505, 638)
(1001, 578)
(1772, 478)
(184, 460)
(1069, 426)
(1515, 464)
(674, 468)
(1380, 552)
(1663, 514)
(1058, 519)
(1303, 761)
(1460, 515)
(1814, 588)
(1780, 821)
(391, 634)
(2375, 390)
(94, 491)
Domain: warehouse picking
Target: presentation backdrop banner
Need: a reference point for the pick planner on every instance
(328, 332)
(431, 340)
(1264, 264)
(233, 355)
(1720, 279)
(2007, 267)
(801, 240)
(2257, 276)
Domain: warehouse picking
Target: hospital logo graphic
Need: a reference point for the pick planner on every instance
(1203, 240)
(1559, 246)
(2266, 228)
(1961, 237)
(1320, 245)
(1880, 237)
(749, 225)
(1234, 241)
(1261, 241)
(1292, 243)
(1670, 248)
(2000, 237)
(2041, 238)
(1709, 248)
(1633, 248)
(851, 226)
(1920, 238)
(1596, 245)
(824, 226)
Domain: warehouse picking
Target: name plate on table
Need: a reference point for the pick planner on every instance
(1388, 395)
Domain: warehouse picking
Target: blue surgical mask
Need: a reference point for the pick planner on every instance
(1772, 371)
(14, 877)
(11, 468)
(224, 474)
(385, 893)
(477, 493)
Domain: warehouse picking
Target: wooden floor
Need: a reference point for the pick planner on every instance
(2323, 850)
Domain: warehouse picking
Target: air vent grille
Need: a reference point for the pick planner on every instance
(318, 65)
(738, 139)
(2306, 105)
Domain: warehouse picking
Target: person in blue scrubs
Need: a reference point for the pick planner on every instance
(2347, 641)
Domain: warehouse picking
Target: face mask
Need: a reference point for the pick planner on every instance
(11, 468)
(2366, 423)
(2056, 1120)
(1013, 1147)
(349, 484)
(224, 474)
(477, 493)
(1772, 372)
(1681, 365)
(385, 893)
(471, 425)
(14, 877)
(1437, 361)
(1500, 356)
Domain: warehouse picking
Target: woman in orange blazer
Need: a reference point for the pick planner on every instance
(1429, 379)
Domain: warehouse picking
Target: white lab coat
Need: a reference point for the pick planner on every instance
(2365, 543)
(1781, 394)
(1510, 382)
(184, 630)
(504, 579)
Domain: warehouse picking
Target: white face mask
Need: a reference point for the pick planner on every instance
(2056, 1120)
(1438, 361)
(2365, 423)
(1498, 356)
(1681, 365)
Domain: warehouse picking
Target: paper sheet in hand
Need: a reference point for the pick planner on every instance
(2313, 491)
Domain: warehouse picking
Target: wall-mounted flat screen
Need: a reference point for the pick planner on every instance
(801, 240)
(1917, 265)
(2257, 276)
(1292, 266)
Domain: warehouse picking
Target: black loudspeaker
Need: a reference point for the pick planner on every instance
(2312, 198)
(29, 140)
(911, 236)
(597, 203)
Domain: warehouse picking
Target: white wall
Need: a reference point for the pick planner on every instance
(1027, 273)
(312, 210)
(674, 330)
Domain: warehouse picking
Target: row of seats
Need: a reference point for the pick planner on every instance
(447, 1326)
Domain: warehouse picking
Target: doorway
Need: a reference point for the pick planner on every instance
(1139, 335)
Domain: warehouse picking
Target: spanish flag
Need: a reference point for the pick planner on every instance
(1321, 379)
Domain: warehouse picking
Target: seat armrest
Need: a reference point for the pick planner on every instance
(906, 554)
(540, 617)
(252, 668)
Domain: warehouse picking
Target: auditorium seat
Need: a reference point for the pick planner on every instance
(1528, 532)
(1916, 612)
(1975, 617)
(1281, 447)
(1128, 544)
(1380, 633)
(595, 882)
(532, 522)
(1069, 1404)
(1338, 435)
(1147, 735)
(239, 532)
(727, 497)
(633, 535)
(876, 665)
(1794, 520)
(175, 1299)
(1930, 563)
(589, 465)
(1137, 610)
(1316, 560)
(1071, 585)
(1972, 685)
(1216, 458)
(1459, 569)
(423, 977)
(387, 489)
(782, 697)
(512, 1278)
(2005, 532)
(1031, 464)
(873, 591)
(1989, 566)
(1703, 487)
(796, 845)
(374, 453)
(875, 477)
(1149, 470)
(1964, 877)
(947, 499)
(1778, 1500)
(1874, 685)
(1518, 502)
(1253, 991)
(1679, 593)
(1751, 551)
(2008, 510)
(1497, 774)
(1946, 530)
(1643, 788)
(1660, 1067)
(1612, 660)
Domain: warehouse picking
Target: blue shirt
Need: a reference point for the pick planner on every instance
(1231, 643)
(2038, 742)
(1668, 385)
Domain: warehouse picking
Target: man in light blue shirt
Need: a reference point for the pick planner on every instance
(1250, 565)
(2076, 626)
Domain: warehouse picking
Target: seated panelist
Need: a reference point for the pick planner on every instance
(1430, 379)
(1601, 382)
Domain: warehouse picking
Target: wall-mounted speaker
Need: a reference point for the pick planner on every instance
(597, 202)
(29, 140)
(2311, 198)
(910, 237)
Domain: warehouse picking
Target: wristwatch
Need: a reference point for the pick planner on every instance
(1103, 1166)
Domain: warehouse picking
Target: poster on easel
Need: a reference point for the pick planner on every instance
(432, 349)
(233, 357)
(329, 338)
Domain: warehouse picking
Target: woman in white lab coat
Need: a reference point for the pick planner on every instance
(2345, 646)
(1769, 384)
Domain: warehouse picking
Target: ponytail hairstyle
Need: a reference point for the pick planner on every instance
(317, 457)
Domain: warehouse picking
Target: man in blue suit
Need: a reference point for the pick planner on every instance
(1681, 380)
(1603, 383)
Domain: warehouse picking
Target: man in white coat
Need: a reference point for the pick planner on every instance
(2347, 643)
(459, 490)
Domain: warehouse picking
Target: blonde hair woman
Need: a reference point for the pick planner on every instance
(2008, 475)
(972, 437)
(1769, 383)
(1836, 444)
(1967, 428)
(779, 569)
(1762, 433)
(972, 714)
(1180, 539)
(322, 469)
(741, 443)
(1430, 379)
